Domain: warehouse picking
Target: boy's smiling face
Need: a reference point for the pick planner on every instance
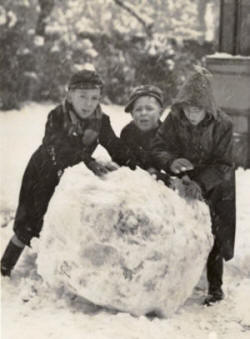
(194, 114)
(146, 113)
(84, 101)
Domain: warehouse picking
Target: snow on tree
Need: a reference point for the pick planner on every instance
(131, 42)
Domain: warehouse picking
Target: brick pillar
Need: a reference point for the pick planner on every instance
(234, 27)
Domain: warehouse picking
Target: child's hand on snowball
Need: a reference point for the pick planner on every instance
(97, 168)
(152, 171)
(193, 190)
(181, 165)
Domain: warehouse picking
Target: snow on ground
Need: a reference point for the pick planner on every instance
(30, 309)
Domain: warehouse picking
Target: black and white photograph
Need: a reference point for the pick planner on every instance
(125, 169)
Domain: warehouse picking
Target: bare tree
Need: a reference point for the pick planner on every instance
(146, 22)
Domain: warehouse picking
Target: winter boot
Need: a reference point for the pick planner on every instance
(10, 258)
(214, 296)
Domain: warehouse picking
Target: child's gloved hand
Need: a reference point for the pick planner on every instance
(97, 168)
(193, 190)
(152, 171)
(158, 175)
(131, 163)
(181, 165)
(111, 166)
(187, 188)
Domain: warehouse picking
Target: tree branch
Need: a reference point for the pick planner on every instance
(147, 25)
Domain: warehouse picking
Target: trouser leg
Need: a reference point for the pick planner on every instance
(11, 255)
(215, 269)
(38, 185)
(214, 275)
(223, 216)
(34, 199)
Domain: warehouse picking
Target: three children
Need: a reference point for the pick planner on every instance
(195, 141)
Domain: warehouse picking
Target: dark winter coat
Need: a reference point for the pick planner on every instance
(65, 139)
(139, 143)
(65, 143)
(209, 148)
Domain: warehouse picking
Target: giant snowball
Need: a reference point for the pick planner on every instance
(125, 242)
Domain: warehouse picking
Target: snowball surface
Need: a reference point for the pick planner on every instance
(124, 242)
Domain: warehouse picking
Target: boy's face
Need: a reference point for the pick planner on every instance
(194, 114)
(85, 101)
(146, 113)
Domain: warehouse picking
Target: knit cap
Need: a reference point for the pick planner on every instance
(85, 79)
(144, 90)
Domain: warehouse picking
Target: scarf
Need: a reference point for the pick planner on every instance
(88, 129)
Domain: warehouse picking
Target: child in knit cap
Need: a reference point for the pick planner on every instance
(145, 105)
(195, 142)
(73, 131)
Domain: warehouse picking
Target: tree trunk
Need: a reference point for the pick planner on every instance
(46, 7)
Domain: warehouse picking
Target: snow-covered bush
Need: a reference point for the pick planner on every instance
(42, 41)
(17, 64)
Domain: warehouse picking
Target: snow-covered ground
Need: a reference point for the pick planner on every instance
(30, 309)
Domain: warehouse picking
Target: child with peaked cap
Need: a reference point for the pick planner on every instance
(195, 141)
(73, 131)
(145, 105)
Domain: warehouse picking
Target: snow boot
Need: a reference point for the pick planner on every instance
(10, 258)
(213, 297)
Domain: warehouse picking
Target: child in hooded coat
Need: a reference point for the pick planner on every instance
(145, 105)
(73, 131)
(195, 142)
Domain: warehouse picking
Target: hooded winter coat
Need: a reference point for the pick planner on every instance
(209, 148)
(67, 142)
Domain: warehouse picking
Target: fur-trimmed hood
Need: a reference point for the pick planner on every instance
(197, 91)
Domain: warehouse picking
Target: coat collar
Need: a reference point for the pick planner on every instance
(147, 133)
(76, 126)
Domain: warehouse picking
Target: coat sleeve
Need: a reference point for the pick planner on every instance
(141, 156)
(62, 153)
(165, 146)
(117, 150)
(221, 166)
